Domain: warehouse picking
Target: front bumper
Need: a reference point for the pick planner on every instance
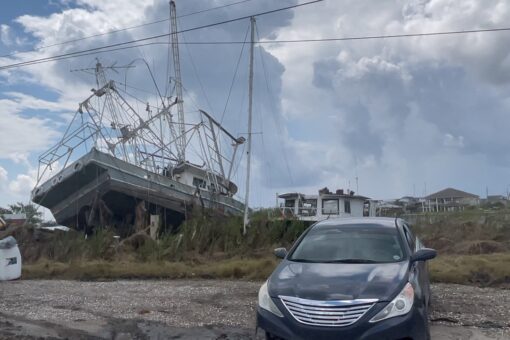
(409, 326)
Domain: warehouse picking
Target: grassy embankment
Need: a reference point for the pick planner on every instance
(474, 248)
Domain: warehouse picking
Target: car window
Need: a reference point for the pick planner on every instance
(409, 237)
(357, 245)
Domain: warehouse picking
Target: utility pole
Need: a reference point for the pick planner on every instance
(248, 146)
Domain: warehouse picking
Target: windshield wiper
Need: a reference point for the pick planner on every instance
(351, 261)
(303, 260)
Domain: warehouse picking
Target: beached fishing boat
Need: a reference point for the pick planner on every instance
(122, 167)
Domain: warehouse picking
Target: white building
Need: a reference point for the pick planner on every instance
(325, 205)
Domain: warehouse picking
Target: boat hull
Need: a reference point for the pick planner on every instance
(119, 186)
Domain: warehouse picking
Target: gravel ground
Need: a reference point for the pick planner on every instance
(202, 309)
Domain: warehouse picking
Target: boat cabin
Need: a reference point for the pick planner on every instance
(325, 205)
(197, 177)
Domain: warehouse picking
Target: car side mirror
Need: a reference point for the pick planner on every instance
(423, 254)
(280, 253)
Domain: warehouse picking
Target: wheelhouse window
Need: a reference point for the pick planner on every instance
(330, 207)
(347, 207)
(199, 182)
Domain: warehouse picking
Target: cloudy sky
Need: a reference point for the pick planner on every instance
(405, 116)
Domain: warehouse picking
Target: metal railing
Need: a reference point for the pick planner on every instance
(307, 211)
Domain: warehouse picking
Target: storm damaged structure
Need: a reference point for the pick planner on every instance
(325, 205)
(120, 167)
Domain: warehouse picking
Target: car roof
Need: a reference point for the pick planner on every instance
(385, 222)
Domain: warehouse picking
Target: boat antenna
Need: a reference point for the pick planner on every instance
(181, 140)
(248, 147)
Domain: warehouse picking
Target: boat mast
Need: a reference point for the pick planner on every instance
(248, 148)
(181, 139)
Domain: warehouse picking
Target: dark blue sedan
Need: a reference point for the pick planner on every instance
(363, 278)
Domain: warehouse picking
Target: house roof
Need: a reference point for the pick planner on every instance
(9, 217)
(496, 197)
(295, 195)
(450, 193)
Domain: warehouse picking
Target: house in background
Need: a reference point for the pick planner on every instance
(3, 224)
(410, 204)
(325, 205)
(16, 220)
(389, 208)
(449, 199)
(495, 199)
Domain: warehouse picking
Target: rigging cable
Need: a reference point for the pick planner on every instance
(235, 75)
(195, 71)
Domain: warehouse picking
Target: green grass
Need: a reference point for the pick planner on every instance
(482, 270)
(249, 269)
(473, 247)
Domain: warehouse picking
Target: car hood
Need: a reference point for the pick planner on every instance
(338, 281)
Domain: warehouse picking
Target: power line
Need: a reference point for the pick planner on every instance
(104, 48)
(123, 29)
(108, 48)
(391, 36)
(370, 37)
(156, 36)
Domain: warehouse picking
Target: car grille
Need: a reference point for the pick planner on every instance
(327, 313)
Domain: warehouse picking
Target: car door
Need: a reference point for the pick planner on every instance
(419, 269)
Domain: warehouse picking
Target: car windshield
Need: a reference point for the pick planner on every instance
(349, 244)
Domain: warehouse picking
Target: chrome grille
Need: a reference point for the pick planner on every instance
(327, 313)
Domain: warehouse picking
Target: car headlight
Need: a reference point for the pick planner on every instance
(400, 305)
(266, 302)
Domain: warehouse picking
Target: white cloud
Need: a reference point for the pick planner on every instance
(5, 35)
(22, 185)
(395, 105)
(452, 141)
(22, 134)
(3, 175)
(396, 112)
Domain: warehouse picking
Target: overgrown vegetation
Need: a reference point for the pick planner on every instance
(474, 248)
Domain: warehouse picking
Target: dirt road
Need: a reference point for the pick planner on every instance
(201, 309)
